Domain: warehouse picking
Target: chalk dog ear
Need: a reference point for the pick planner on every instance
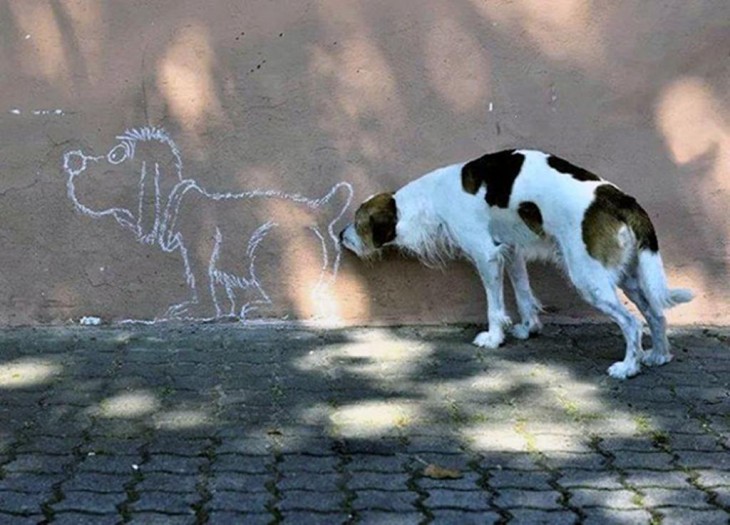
(161, 170)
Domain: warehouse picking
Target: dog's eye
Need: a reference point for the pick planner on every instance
(118, 154)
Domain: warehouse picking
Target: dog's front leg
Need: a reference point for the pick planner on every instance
(490, 266)
(528, 306)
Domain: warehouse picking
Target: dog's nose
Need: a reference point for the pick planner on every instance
(74, 162)
(342, 236)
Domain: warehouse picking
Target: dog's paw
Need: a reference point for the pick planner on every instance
(652, 358)
(521, 331)
(525, 329)
(488, 339)
(624, 370)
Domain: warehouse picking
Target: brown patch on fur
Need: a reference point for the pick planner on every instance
(563, 166)
(610, 210)
(375, 220)
(531, 216)
(496, 171)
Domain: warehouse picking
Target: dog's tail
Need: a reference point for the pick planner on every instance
(339, 198)
(653, 282)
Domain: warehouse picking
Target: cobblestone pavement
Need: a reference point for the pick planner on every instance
(221, 424)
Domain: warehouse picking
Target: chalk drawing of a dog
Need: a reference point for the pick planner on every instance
(176, 214)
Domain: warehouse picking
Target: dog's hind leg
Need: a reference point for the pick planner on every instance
(490, 265)
(659, 353)
(594, 283)
(527, 305)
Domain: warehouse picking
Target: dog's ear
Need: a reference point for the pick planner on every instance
(471, 177)
(383, 222)
(161, 171)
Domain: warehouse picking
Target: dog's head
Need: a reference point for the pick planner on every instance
(130, 182)
(374, 227)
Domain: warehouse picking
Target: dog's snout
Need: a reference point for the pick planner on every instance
(342, 236)
(74, 162)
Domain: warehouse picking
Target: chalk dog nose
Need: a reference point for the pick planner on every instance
(74, 162)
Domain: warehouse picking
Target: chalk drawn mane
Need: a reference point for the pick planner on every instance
(166, 212)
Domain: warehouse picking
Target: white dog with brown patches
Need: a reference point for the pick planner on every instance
(537, 206)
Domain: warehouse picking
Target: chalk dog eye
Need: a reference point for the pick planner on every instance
(118, 154)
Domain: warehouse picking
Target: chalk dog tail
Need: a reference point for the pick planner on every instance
(334, 205)
(653, 283)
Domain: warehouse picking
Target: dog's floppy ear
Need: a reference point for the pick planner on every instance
(161, 171)
(383, 222)
(471, 177)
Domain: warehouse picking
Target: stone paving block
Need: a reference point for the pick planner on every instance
(687, 497)
(240, 463)
(223, 517)
(112, 447)
(506, 479)
(234, 501)
(15, 519)
(678, 516)
(704, 460)
(464, 517)
(616, 499)
(29, 482)
(109, 464)
(656, 478)
(308, 463)
(376, 517)
(468, 481)
(90, 502)
(608, 516)
(532, 516)
(509, 461)
(241, 482)
(643, 460)
(378, 481)
(598, 479)
(373, 463)
(157, 518)
(549, 443)
(457, 499)
(575, 461)
(39, 464)
(92, 481)
(165, 502)
(314, 518)
(173, 464)
(312, 500)
(78, 518)
(166, 482)
(694, 442)
(178, 447)
(49, 445)
(622, 445)
(536, 499)
(713, 478)
(384, 500)
(22, 502)
(310, 481)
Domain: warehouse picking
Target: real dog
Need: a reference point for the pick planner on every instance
(514, 205)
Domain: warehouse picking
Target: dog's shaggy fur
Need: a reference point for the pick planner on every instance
(537, 206)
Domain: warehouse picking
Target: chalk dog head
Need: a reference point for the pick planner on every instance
(145, 160)
(375, 226)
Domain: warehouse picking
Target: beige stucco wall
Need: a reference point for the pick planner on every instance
(299, 95)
